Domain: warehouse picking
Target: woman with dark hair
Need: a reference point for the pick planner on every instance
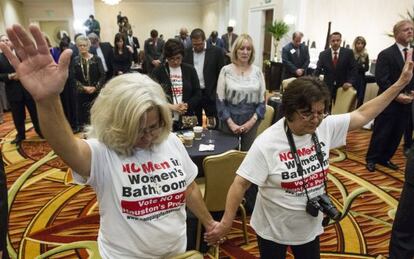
(289, 162)
(179, 81)
(122, 59)
(362, 60)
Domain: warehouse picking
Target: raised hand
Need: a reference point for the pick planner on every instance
(35, 67)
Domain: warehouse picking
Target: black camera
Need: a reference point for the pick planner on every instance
(324, 204)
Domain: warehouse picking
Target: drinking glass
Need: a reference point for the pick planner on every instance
(211, 124)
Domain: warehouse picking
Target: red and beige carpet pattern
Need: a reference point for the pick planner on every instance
(50, 217)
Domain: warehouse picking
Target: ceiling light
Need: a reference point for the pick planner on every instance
(111, 2)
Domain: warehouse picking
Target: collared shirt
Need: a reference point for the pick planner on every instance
(333, 52)
(100, 54)
(198, 59)
(401, 48)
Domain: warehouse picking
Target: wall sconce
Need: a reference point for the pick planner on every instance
(111, 2)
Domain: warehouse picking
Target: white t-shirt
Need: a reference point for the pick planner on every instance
(176, 78)
(141, 199)
(279, 214)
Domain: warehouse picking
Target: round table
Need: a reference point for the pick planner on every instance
(222, 142)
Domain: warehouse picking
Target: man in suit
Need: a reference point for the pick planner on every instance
(153, 48)
(184, 38)
(214, 40)
(105, 51)
(295, 57)
(134, 43)
(337, 64)
(390, 124)
(208, 62)
(93, 25)
(229, 39)
(18, 97)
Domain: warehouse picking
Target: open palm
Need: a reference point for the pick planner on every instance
(36, 70)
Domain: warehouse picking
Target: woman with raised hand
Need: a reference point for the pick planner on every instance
(142, 174)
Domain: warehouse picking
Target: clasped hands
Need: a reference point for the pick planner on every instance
(240, 129)
(181, 108)
(216, 234)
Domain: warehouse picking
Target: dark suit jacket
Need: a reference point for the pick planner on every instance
(388, 69)
(15, 92)
(344, 72)
(191, 85)
(213, 62)
(135, 46)
(225, 38)
(108, 53)
(291, 60)
(153, 52)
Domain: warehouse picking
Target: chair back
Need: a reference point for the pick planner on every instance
(286, 82)
(371, 91)
(267, 120)
(219, 173)
(345, 101)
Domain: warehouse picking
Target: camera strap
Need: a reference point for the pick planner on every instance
(294, 152)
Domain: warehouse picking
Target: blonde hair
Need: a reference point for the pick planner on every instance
(363, 55)
(238, 44)
(119, 112)
(399, 24)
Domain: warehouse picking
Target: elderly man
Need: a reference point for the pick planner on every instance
(390, 124)
(208, 62)
(337, 64)
(295, 57)
(184, 38)
(103, 50)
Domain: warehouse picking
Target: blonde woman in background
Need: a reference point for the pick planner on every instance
(241, 93)
(362, 59)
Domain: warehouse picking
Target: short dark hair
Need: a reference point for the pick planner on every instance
(230, 29)
(154, 33)
(91, 16)
(197, 34)
(302, 93)
(173, 47)
(335, 33)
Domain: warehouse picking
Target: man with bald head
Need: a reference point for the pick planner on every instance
(184, 38)
(295, 57)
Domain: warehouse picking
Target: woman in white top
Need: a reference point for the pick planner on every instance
(142, 174)
(241, 93)
(289, 162)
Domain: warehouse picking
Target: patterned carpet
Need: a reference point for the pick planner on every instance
(51, 217)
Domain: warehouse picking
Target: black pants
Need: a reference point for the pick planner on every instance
(386, 136)
(3, 210)
(19, 116)
(272, 250)
(206, 104)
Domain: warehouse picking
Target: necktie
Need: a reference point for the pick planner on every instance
(335, 58)
(405, 50)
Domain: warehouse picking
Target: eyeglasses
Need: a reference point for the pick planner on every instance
(176, 58)
(308, 116)
(153, 130)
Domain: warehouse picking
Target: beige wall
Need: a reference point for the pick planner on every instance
(210, 18)
(166, 17)
(48, 11)
(12, 12)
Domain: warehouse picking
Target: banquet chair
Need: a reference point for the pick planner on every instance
(219, 173)
(267, 120)
(286, 82)
(371, 91)
(345, 101)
